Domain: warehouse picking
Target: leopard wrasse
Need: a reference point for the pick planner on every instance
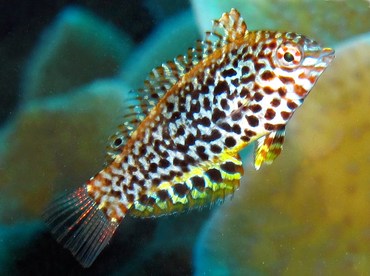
(178, 147)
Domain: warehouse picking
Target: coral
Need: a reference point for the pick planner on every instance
(77, 48)
(328, 21)
(56, 143)
(172, 38)
(309, 211)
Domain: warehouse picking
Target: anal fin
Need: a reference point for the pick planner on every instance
(200, 187)
(268, 147)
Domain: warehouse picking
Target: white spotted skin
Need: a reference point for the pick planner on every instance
(157, 145)
(178, 146)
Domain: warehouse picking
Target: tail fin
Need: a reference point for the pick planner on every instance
(77, 222)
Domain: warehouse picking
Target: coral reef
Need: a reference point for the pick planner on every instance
(309, 211)
(328, 21)
(77, 48)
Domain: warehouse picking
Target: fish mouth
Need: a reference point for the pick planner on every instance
(318, 57)
(323, 57)
(327, 55)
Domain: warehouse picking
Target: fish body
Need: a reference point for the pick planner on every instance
(179, 150)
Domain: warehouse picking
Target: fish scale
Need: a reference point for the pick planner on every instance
(179, 148)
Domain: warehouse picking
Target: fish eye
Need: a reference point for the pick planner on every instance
(289, 55)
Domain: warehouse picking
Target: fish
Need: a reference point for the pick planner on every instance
(178, 147)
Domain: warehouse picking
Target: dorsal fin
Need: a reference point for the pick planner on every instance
(162, 78)
(232, 24)
(228, 28)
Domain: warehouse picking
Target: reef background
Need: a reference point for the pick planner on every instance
(65, 70)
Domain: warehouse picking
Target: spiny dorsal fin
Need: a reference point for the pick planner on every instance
(200, 187)
(232, 25)
(268, 148)
(162, 78)
(228, 28)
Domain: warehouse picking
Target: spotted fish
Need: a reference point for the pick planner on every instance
(178, 148)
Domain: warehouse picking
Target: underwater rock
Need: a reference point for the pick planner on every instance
(309, 211)
(170, 39)
(76, 49)
(327, 21)
(57, 143)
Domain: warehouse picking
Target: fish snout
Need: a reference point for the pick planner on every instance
(327, 55)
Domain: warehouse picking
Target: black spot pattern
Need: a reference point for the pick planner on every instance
(198, 182)
(162, 195)
(216, 148)
(215, 134)
(253, 121)
(220, 88)
(201, 153)
(236, 115)
(217, 115)
(180, 189)
(230, 142)
(214, 175)
(229, 167)
(228, 73)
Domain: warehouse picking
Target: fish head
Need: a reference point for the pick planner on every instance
(298, 62)
(282, 70)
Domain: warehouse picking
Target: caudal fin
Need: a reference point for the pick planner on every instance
(77, 223)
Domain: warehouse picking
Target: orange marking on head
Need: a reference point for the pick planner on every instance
(299, 90)
(302, 75)
(312, 79)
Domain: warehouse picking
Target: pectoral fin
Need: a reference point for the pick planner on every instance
(268, 147)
